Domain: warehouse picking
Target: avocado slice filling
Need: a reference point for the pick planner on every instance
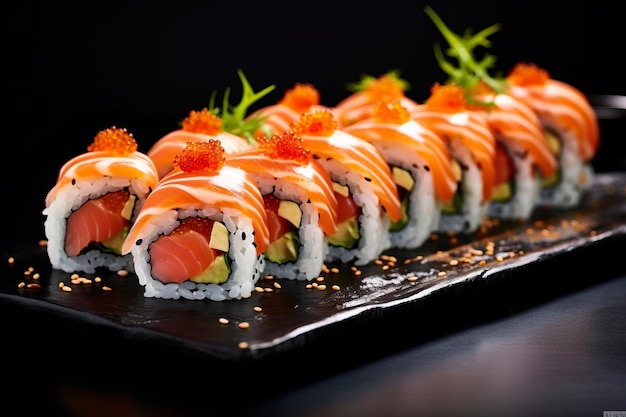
(503, 192)
(216, 273)
(555, 146)
(456, 203)
(347, 235)
(113, 244)
(283, 249)
(405, 183)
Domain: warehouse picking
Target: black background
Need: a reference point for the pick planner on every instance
(74, 68)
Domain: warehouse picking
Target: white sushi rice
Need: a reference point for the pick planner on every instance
(373, 222)
(527, 184)
(576, 175)
(246, 266)
(313, 243)
(473, 210)
(70, 199)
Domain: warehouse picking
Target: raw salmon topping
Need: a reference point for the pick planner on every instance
(318, 123)
(524, 74)
(301, 97)
(116, 140)
(391, 112)
(205, 156)
(287, 145)
(449, 98)
(202, 121)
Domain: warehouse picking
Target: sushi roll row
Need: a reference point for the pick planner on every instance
(283, 190)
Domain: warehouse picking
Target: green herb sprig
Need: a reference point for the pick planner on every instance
(468, 71)
(233, 116)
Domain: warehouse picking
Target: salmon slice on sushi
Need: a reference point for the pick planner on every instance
(202, 232)
(472, 147)
(421, 167)
(571, 127)
(363, 184)
(94, 202)
(225, 123)
(299, 201)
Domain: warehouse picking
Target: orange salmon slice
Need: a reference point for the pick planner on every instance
(180, 256)
(97, 220)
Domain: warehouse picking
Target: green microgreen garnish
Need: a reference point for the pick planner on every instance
(469, 71)
(366, 80)
(233, 117)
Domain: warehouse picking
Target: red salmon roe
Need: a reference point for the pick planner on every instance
(197, 224)
(205, 156)
(449, 98)
(114, 201)
(524, 74)
(390, 112)
(202, 121)
(384, 88)
(287, 145)
(116, 140)
(318, 123)
(301, 97)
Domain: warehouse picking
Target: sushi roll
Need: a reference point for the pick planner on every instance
(363, 184)
(300, 204)
(198, 126)
(95, 200)
(571, 128)
(202, 231)
(523, 157)
(368, 91)
(472, 148)
(421, 167)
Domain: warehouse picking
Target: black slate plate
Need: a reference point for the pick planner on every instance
(293, 315)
